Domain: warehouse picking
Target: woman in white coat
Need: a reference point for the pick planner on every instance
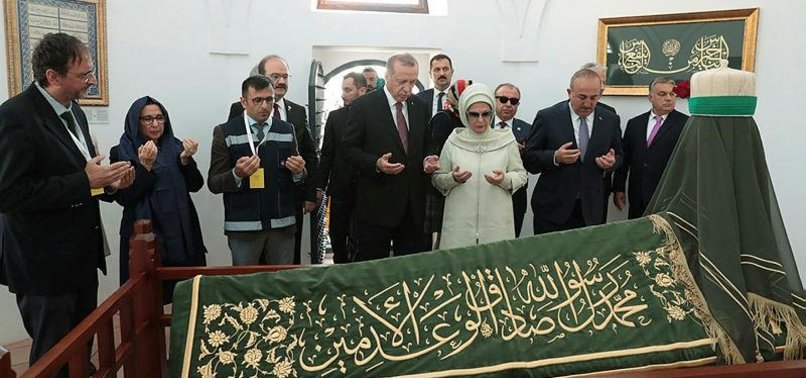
(479, 170)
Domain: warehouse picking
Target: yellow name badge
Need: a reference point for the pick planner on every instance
(256, 180)
(96, 191)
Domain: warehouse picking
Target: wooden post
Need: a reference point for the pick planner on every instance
(5, 364)
(147, 307)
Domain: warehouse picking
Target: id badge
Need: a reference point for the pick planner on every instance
(256, 180)
(96, 191)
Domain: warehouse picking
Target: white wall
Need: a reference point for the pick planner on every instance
(150, 53)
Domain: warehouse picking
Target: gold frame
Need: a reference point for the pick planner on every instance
(420, 7)
(749, 16)
(14, 60)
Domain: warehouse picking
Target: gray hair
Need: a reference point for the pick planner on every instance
(598, 68)
(584, 73)
(405, 59)
(660, 80)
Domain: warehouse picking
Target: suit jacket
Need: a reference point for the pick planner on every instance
(334, 172)
(558, 187)
(51, 238)
(295, 114)
(371, 132)
(427, 96)
(606, 107)
(645, 164)
(521, 129)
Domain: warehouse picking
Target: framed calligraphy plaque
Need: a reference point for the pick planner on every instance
(27, 21)
(636, 50)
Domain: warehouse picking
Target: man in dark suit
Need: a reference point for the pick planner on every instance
(51, 236)
(509, 97)
(648, 143)
(335, 175)
(276, 69)
(388, 143)
(371, 75)
(441, 71)
(607, 179)
(572, 144)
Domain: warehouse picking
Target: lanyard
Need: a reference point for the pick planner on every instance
(249, 134)
(82, 146)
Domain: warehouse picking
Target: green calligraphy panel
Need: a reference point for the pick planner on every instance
(637, 54)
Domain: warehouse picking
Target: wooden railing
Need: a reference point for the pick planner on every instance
(140, 348)
(5, 364)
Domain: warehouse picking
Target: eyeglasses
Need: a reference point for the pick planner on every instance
(276, 77)
(512, 100)
(485, 114)
(85, 77)
(150, 119)
(257, 101)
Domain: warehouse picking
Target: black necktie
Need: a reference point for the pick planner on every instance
(440, 99)
(71, 125)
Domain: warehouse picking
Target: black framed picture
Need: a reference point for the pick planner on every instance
(636, 50)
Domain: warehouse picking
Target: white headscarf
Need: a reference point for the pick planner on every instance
(477, 92)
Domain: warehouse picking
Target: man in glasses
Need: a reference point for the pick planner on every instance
(508, 98)
(276, 69)
(572, 144)
(441, 70)
(51, 234)
(259, 187)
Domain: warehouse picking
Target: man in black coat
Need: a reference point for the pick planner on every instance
(276, 69)
(440, 67)
(508, 98)
(334, 174)
(572, 146)
(388, 143)
(648, 143)
(51, 236)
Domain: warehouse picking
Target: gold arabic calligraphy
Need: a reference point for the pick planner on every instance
(706, 54)
(539, 303)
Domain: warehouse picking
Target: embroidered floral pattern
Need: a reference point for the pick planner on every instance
(248, 339)
(673, 295)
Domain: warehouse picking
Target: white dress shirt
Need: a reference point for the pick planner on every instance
(393, 108)
(651, 123)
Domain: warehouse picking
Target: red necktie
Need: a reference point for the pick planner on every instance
(276, 114)
(402, 129)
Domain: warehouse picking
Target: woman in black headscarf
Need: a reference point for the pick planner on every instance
(165, 175)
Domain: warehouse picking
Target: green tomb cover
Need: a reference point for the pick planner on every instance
(558, 304)
(718, 194)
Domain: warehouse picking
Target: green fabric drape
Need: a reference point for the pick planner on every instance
(718, 192)
(551, 305)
